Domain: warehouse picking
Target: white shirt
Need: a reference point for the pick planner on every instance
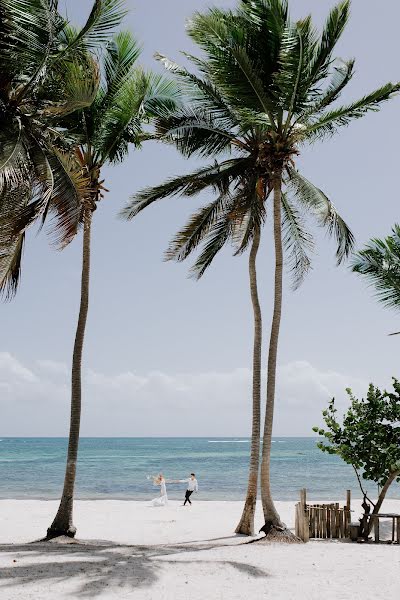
(192, 484)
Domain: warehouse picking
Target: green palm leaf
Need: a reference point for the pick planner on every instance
(10, 266)
(105, 16)
(329, 122)
(319, 205)
(334, 27)
(203, 94)
(220, 233)
(379, 263)
(196, 132)
(297, 241)
(231, 68)
(218, 176)
(197, 228)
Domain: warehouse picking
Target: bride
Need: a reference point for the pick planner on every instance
(162, 499)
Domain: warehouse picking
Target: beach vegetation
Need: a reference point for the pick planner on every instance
(367, 437)
(47, 71)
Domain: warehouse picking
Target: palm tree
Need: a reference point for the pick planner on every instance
(379, 262)
(265, 89)
(127, 100)
(46, 72)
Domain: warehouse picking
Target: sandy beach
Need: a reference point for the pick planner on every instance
(131, 550)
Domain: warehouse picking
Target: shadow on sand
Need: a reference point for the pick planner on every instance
(98, 565)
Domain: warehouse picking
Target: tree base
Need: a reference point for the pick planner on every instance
(245, 527)
(279, 534)
(55, 532)
(242, 529)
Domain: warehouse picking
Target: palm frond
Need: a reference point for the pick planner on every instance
(80, 82)
(12, 200)
(334, 27)
(319, 205)
(10, 266)
(140, 99)
(379, 263)
(248, 214)
(196, 229)
(119, 58)
(265, 23)
(71, 188)
(29, 191)
(196, 132)
(202, 94)
(28, 29)
(329, 122)
(215, 241)
(162, 97)
(104, 18)
(343, 72)
(292, 76)
(297, 242)
(230, 66)
(218, 176)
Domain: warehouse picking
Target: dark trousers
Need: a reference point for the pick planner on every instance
(187, 496)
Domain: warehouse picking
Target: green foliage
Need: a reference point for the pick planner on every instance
(57, 95)
(379, 263)
(46, 74)
(263, 88)
(368, 438)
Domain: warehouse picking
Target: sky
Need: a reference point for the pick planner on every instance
(168, 356)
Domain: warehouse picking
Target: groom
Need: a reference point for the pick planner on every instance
(192, 486)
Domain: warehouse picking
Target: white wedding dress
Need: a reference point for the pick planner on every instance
(162, 499)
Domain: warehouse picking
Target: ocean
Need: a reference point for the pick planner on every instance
(117, 468)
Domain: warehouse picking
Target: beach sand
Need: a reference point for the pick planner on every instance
(132, 550)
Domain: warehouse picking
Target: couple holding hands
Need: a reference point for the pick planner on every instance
(162, 499)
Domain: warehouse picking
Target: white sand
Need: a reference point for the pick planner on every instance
(177, 553)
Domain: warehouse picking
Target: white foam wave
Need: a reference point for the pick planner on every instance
(228, 441)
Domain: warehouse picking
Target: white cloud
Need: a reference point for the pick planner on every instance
(53, 367)
(9, 365)
(35, 401)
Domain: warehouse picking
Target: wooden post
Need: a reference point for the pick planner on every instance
(324, 522)
(306, 521)
(343, 523)
(304, 528)
(398, 529)
(348, 500)
(335, 522)
(376, 528)
(328, 522)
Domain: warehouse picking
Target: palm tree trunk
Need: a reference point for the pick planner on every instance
(271, 515)
(63, 522)
(246, 523)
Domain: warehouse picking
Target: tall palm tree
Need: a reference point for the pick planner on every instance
(379, 263)
(127, 100)
(265, 89)
(46, 72)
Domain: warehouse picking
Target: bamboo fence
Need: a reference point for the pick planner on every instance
(322, 521)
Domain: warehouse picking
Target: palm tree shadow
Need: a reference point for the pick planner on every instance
(93, 567)
(97, 566)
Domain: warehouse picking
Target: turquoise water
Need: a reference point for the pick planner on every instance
(117, 468)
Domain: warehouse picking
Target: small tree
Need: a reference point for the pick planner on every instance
(368, 439)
